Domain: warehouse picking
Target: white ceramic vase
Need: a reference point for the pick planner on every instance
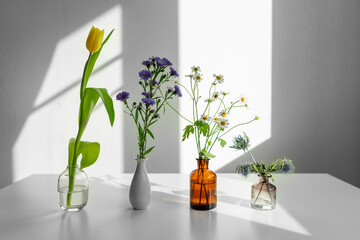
(140, 189)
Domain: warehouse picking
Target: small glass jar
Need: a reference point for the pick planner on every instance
(203, 187)
(73, 188)
(263, 194)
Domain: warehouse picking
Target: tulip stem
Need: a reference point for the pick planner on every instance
(77, 140)
(83, 84)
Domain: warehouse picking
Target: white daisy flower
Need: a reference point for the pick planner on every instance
(223, 123)
(243, 99)
(223, 113)
(216, 119)
(204, 118)
(215, 95)
(219, 78)
(197, 77)
(195, 69)
(224, 93)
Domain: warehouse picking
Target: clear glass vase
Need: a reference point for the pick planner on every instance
(73, 188)
(203, 187)
(263, 194)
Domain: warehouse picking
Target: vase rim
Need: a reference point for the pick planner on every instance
(76, 166)
(141, 159)
(197, 159)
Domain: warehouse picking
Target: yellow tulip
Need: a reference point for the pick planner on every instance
(94, 40)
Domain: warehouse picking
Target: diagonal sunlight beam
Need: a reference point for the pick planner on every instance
(75, 84)
(232, 38)
(53, 119)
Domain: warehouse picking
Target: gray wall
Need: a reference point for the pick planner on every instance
(315, 79)
(315, 87)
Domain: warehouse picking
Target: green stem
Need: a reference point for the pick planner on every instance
(78, 137)
(174, 108)
(237, 126)
(259, 192)
(252, 157)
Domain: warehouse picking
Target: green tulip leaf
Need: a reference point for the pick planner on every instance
(91, 63)
(90, 99)
(108, 102)
(90, 153)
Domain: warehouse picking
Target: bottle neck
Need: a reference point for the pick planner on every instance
(263, 179)
(203, 163)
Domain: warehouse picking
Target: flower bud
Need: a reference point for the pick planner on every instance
(94, 40)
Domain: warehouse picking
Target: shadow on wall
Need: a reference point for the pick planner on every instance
(29, 37)
(315, 88)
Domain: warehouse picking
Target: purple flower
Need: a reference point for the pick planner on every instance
(173, 72)
(148, 101)
(167, 61)
(147, 63)
(160, 62)
(122, 96)
(157, 115)
(145, 74)
(148, 95)
(177, 91)
(155, 83)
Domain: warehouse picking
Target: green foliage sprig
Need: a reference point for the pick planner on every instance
(210, 123)
(280, 165)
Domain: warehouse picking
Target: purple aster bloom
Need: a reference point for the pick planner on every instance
(177, 91)
(155, 83)
(173, 72)
(167, 61)
(148, 95)
(147, 63)
(148, 101)
(122, 96)
(160, 62)
(145, 74)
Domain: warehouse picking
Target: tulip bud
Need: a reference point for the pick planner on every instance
(94, 40)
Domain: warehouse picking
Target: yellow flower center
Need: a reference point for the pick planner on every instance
(218, 77)
(205, 118)
(222, 123)
(216, 95)
(216, 119)
(223, 114)
(198, 77)
(242, 99)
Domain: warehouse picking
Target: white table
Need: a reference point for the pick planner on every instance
(309, 206)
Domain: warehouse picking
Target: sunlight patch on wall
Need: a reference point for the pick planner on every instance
(41, 146)
(232, 38)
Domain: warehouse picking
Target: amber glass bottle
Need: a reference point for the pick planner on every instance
(202, 187)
